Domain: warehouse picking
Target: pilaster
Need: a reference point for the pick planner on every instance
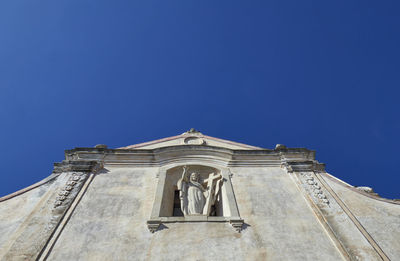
(36, 231)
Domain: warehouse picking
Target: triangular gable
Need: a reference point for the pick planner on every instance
(192, 137)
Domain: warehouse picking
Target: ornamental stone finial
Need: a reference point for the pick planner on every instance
(280, 147)
(192, 131)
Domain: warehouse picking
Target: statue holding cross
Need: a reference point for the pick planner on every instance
(198, 197)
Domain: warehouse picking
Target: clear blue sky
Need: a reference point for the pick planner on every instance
(324, 75)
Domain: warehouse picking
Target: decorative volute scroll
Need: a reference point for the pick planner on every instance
(199, 193)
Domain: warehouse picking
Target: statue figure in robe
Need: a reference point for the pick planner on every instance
(195, 199)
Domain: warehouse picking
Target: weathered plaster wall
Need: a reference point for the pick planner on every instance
(24, 219)
(281, 222)
(380, 219)
(14, 211)
(110, 223)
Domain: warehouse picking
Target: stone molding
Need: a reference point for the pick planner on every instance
(155, 224)
(298, 157)
(302, 166)
(77, 165)
(188, 134)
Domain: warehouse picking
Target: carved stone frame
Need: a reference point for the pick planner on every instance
(156, 219)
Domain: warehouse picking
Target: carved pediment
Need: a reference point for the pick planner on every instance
(192, 137)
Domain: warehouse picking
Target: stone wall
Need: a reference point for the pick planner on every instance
(110, 223)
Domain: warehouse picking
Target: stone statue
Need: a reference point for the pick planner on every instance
(195, 199)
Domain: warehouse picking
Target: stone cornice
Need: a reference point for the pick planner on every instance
(91, 159)
(188, 134)
(298, 157)
(299, 166)
(76, 165)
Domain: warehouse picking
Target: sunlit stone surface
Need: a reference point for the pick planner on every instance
(253, 204)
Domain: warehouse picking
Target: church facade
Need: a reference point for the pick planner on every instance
(196, 197)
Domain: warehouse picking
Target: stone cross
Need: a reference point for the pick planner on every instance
(211, 181)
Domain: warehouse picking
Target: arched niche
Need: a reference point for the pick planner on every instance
(170, 204)
(166, 202)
